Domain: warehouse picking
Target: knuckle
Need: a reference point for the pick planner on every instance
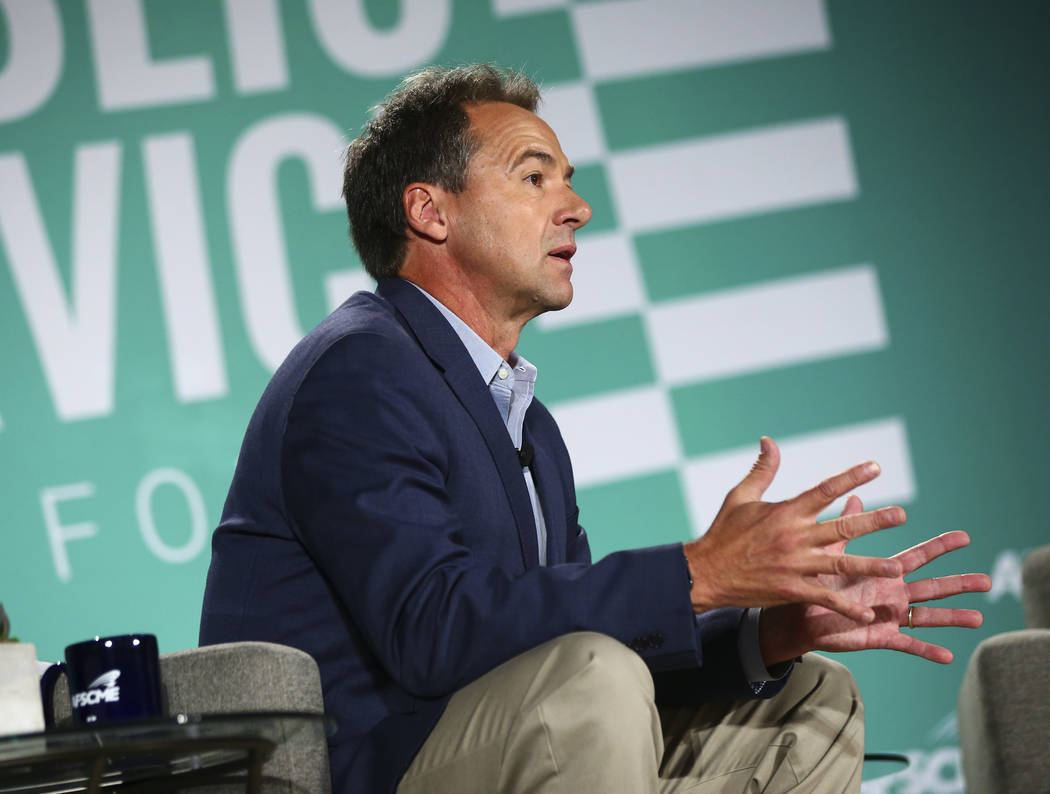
(842, 565)
(827, 488)
(777, 511)
(832, 602)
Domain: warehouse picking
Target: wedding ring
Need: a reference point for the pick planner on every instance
(911, 609)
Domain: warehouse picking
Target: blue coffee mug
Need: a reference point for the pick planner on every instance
(111, 679)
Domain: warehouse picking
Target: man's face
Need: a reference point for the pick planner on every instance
(511, 229)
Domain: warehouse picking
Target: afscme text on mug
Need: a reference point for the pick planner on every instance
(102, 688)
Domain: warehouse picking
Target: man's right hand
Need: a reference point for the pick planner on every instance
(760, 554)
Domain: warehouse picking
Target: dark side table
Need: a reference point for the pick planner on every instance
(160, 755)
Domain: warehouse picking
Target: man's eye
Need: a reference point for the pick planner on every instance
(534, 179)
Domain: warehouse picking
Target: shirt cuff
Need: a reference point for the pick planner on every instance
(751, 660)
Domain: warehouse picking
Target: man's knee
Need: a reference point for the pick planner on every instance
(579, 700)
(829, 693)
(833, 679)
(596, 679)
(604, 661)
(600, 704)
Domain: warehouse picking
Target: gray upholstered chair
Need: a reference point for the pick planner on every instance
(1004, 704)
(247, 677)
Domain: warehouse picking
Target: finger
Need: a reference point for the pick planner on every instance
(751, 488)
(853, 526)
(820, 496)
(930, 617)
(947, 586)
(853, 506)
(917, 556)
(829, 599)
(852, 566)
(908, 643)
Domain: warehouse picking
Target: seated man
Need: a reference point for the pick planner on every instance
(404, 511)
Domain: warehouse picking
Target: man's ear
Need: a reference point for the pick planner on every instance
(425, 210)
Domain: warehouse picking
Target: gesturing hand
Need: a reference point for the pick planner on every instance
(761, 554)
(786, 632)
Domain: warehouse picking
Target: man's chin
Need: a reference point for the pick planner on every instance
(555, 302)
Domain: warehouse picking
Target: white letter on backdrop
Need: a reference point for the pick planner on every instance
(126, 76)
(194, 342)
(57, 534)
(148, 528)
(256, 45)
(75, 336)
(259, 249)
(344, 31)
(34, 56)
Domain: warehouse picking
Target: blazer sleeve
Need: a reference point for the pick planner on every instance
(716, 634)
(363, 468)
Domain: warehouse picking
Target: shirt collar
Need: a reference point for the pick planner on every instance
(487, 360)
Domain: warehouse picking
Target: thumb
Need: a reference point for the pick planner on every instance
(761, 475)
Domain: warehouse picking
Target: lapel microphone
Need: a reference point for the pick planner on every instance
(525, 455)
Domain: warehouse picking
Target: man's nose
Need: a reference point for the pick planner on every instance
(575, 213)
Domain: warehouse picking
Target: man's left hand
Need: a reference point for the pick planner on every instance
(793, 629)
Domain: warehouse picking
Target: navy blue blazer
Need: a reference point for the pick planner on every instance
(378, 520)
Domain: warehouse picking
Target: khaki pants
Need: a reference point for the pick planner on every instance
(577, 715)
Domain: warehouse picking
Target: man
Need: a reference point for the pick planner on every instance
(404, 511)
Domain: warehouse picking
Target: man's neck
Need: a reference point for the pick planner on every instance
(468, 303)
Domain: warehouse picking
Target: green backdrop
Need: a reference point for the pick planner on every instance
(825, 222)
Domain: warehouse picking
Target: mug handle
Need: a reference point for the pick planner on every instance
(47, 691)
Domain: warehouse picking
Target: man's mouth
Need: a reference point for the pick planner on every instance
(565, 252)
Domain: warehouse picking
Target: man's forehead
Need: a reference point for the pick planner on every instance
(505, 130)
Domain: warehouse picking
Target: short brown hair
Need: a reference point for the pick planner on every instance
(420, 133)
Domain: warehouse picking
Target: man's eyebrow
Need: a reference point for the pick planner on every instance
(544, 157)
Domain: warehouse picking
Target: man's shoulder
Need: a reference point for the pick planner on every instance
(361, 313)
(364, 322)
(362, 341)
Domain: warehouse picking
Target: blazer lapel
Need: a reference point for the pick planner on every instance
(444, 348)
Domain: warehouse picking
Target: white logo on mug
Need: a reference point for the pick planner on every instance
(102, 688)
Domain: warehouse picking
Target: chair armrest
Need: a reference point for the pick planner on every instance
(256, 676)
(241, 676)
(1004, 713)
